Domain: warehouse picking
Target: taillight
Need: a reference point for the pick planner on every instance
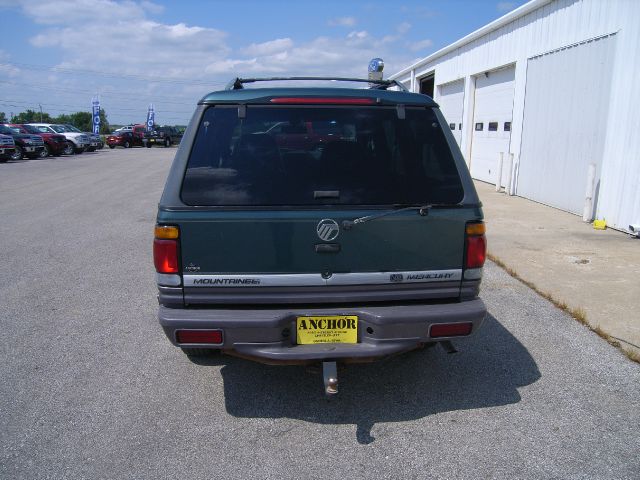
(199, 336)
(165, 249)
(450, 329)
(476, 242)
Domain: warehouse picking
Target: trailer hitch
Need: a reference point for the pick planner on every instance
(330, 378)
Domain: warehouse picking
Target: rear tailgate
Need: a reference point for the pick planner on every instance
(397, 257)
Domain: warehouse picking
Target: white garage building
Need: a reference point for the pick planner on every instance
(556, 84)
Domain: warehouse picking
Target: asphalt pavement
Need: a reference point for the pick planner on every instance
(90, 387)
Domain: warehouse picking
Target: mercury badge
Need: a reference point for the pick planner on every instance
(327, 230)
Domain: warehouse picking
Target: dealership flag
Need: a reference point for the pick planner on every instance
(151, 117)
(96, 114)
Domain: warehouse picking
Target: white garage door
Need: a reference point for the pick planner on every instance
(491, 122)
(451, 100)
(565, 115)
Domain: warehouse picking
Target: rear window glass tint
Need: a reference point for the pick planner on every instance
(281, 156)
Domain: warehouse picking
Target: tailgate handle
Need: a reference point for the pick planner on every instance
(327, 247)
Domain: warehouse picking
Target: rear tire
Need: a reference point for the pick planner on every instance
(46, 151)
(91, 149)
(78, 151)
(199, 352)
(148, 144)
(167, 142)
(112, 147)
(126, 144)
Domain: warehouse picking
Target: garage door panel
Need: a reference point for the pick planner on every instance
(451, 101)
(566, 106)
(493, 107)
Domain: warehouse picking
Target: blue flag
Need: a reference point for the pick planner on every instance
(96, 114)
(151, 117)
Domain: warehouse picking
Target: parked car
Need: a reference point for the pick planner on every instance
(373, 248)
(54, 143)
(124, 139)
(307, 136)
(137, 129)
(78, 141)
(162, 135)
(95, 140)
(26, 145)
(7, 147)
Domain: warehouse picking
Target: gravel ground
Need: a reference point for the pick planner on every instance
(91, 388)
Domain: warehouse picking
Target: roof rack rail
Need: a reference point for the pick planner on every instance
(238, 83)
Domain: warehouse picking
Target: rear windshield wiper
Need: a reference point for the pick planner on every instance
(423, 210)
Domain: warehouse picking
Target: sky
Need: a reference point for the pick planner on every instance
(59, 54)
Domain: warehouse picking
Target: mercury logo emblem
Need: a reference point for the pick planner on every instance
(328, 230)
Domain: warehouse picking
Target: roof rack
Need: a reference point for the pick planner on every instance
(238, 83)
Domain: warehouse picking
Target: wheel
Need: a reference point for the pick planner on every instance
(68, 149)
(199, 352)
(127, 144)
(167, 142)
(91, 149)
(45, 152)
(78, 151)
(18, 154)
(112, 147)
(148, 144)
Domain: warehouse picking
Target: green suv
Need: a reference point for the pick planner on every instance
(302, 225)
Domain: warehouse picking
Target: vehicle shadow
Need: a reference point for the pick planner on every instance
(486, 372)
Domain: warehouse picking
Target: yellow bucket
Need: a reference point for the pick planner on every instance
(600, 224)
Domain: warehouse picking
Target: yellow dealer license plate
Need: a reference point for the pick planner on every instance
(327, 329)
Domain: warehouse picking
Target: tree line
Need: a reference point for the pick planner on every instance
(81, 120)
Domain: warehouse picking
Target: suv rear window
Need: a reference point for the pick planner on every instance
(284, 156)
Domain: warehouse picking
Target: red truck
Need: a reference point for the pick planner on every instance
(54, 143)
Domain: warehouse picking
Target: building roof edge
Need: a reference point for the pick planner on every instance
(488, 28)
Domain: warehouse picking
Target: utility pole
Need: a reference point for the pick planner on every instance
(40, 112)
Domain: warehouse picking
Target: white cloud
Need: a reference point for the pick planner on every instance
(7, 69)
(137, 46)
(505, 6)
(403, 28)
(342, 22)
(152, 8)
(71, 12)
(134, 52)
(361, 34)
(268, 48)
(421, 45)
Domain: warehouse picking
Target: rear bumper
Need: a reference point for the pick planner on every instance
(268, 335)
(155, 140)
